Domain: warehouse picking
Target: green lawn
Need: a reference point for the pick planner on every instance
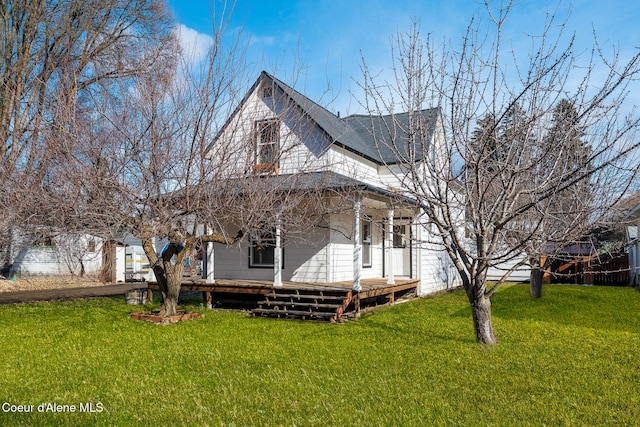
(572, 358)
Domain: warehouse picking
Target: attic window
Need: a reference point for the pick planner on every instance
(267, 92)
(267, 141)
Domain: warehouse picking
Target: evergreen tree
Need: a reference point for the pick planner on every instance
(566, 218)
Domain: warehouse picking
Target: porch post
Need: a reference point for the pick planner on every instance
(207, 269)
(277, 254)
(357, 246)
(210, 260)
(390, 262)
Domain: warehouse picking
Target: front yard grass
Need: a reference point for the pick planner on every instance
(571, 358)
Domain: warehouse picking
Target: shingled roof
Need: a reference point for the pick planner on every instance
(380, 139)
(325, 181)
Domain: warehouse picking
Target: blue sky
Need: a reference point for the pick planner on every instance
(324, 40)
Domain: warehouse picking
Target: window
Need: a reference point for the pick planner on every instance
(91, 245)
(267, 92)
(366, 242)
(44, 242)
(262, 250)
(400, 236)
(267, 142)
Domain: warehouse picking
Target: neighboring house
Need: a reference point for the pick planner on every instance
(379, 234)
(57, 255)
(633, 245)
(78, 255)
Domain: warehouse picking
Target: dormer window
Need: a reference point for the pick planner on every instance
(267, 143)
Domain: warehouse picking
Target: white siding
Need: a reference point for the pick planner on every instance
(236, 144)
(436, 270)
(304, 261)
(327, 255)
(389, 176)
(341, 254)
(62, 259)
(39, 261)
(522, 274)
(341, 262)
(348, 164)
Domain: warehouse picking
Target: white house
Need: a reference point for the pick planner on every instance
(377, 233)
(64, 254)
(117, 260)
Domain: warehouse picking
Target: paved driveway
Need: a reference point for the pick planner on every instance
(67, 293)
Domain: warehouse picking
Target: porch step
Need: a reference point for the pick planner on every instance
(305, 304)
(293, 314)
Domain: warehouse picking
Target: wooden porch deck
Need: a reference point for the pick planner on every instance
(374, 291)
(370, 287)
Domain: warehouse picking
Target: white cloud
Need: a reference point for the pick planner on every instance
(262, 40)
(194, 45)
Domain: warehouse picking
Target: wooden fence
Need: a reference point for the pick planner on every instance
(593, 270)
(608, 270)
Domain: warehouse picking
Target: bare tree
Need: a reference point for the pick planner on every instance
(478, 197)
(145, 157)
(139, 163)
(53, 54)
(557, 221)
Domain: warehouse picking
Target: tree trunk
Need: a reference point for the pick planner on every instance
(169, 279)
(536, 282)
(481, 309)
(168, 269)
(171, 291)
(535, 277)
(169, 266)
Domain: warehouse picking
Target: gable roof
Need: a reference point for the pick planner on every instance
(356, 133)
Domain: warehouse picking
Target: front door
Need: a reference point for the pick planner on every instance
(401, 248)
